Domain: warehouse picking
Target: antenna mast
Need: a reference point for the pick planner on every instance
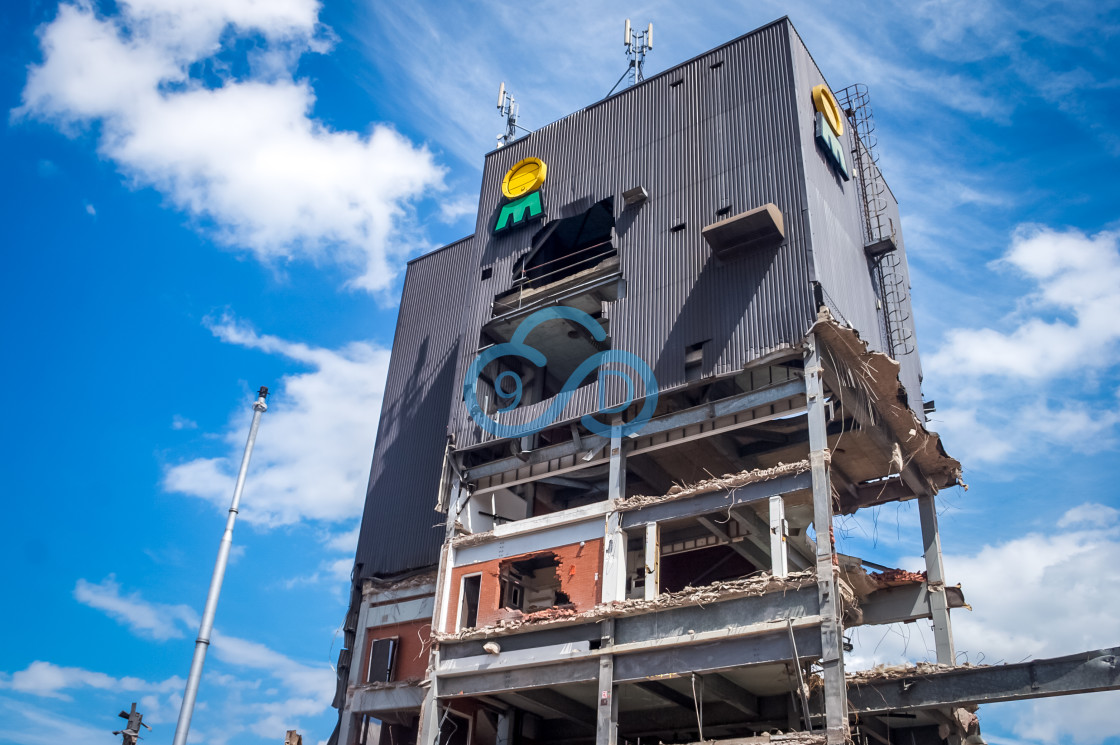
(186, 711)
(638, 44)
(507, 107)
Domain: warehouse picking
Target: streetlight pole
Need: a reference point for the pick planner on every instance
(207, 626)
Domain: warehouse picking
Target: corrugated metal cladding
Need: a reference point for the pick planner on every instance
(399, 530)
(837, 234)
(723, 133)
(718, 131)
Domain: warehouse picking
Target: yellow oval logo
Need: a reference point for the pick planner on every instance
(825, 102)
(526, 176)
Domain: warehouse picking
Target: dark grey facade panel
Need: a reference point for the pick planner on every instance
(837, 232)
(718, 132)
(398, 531)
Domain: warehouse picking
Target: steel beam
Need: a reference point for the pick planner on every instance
(1085, 672)
(903, 604)
(759, 532)
(504, 681)
(717, 656)
(679, 419)
(743, 613)
(606, 708)
(731, 694)
(702, 504)
(560, 705)
(666, 693)
(831, 632)
(747, 550)
(935, 575)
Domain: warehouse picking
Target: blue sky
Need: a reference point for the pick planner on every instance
(208, 196)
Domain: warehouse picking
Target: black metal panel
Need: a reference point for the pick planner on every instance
(400, 528)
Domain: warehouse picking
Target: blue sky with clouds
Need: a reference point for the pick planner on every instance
(204, 196)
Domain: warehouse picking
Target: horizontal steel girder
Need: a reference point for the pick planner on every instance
(1085, 672)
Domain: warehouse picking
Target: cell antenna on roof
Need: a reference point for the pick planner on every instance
(507, 107)
(638, 43)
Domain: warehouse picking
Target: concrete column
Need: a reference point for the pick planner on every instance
(935, 576)
(832, 651)
(653, 561)
(779, 548)
(614, 547)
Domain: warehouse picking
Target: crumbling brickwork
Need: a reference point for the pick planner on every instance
(580, 572)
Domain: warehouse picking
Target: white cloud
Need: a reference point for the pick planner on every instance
(315, 443)
(1038, 595)
(153, 620)
(237, 665)
(245, 156)
(181, 422)
(1038, 377)
(49, 680)
(1069, 323)
(1041, 595)
(343, 542)
(316, 682)
(26, 724)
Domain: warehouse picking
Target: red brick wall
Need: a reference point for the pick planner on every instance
(412, 650)
(581, 572)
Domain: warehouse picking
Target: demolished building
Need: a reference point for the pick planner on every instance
(620, 418)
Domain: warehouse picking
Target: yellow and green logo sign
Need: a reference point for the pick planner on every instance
(521, 188)
(829, 127)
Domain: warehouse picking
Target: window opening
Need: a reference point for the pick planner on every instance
(568, 246)
(468, 603)
(382, 658)
(694, 361)
(532, 584)
(455, 729)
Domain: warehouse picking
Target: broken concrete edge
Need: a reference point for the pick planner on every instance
(392, 684)
(753, 586)
(777, 738)
(895, 672)
(374, 585)
(726, 482)
(877, 375)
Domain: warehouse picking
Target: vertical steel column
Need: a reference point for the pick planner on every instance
(935, 580)
(614, 548)
(614, 588)
(832, 652)
(186, 711)
(606, 707)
